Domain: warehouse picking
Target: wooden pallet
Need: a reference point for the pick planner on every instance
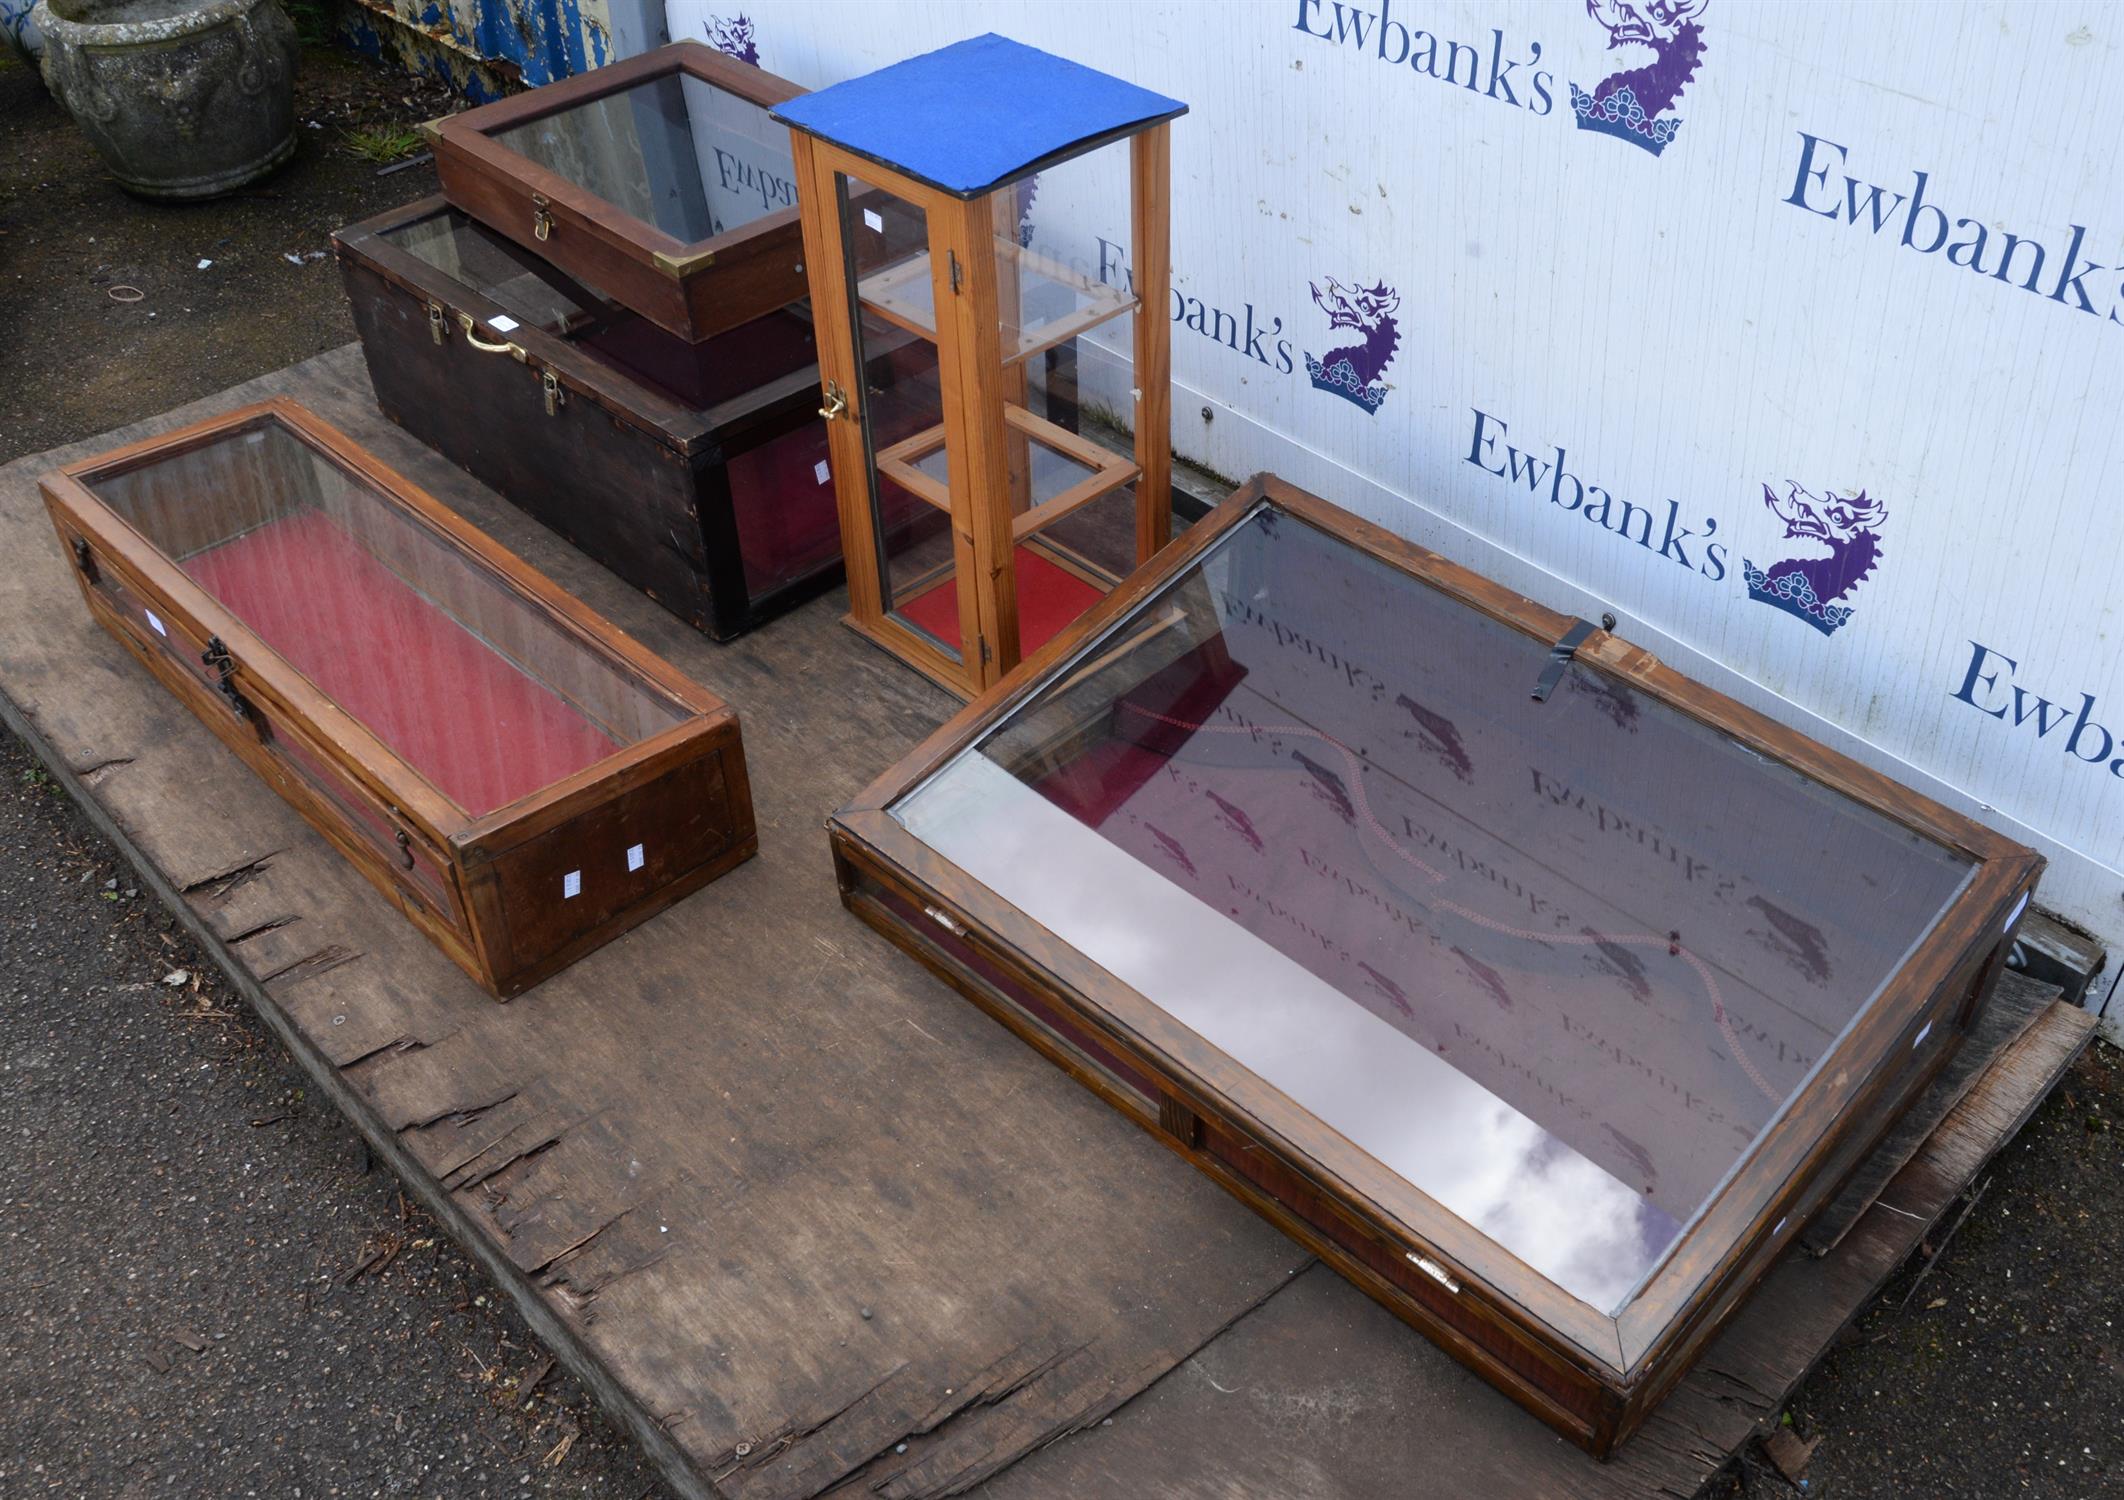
(783, 1201)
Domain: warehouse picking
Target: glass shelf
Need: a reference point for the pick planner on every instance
(1062, 470)
(1055, 304)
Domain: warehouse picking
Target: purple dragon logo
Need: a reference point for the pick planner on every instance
(1809, 588)
(1630, 106)
(1353, 371)
(735, 37)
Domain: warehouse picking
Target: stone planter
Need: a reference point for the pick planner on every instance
(181, 99)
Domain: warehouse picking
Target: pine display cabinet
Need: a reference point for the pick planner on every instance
(957, 199)
(519, 778)
(1541, 990)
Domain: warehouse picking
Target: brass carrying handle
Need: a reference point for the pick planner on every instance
(488, 346)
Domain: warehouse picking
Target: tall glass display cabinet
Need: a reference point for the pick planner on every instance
(973, 200)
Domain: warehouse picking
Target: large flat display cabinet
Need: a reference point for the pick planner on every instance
(660, 179)
(1540, 989)
(518, 777)
(972, 199)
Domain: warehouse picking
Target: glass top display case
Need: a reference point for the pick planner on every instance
(660, 178)
(976, 200)
(1544, 991)
(520, 777)
(698, 472)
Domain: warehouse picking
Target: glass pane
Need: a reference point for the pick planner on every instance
(1557, 965)
(903, 413)
(674, 151)
(526, 286)
(480, 692)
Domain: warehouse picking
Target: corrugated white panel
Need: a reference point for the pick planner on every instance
(1672, 330)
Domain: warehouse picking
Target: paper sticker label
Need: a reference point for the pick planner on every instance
(634, 856)
(571, 885)
(502, 323)
(159, 627)
(821, 471)
(873, 220)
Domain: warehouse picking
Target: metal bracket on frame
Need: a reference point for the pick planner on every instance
(85, 559)
(958, 272)
(1560, 655)
(436, 328)
(556, 393)
(541, 219)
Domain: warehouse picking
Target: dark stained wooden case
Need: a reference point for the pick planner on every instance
(1355, 733)
(697, 473)
(517, 776)
(692, 287)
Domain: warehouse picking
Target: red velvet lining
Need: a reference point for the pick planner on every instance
(1049, 598)
(447, 703)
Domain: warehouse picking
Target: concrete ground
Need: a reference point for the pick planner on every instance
(204, 1291)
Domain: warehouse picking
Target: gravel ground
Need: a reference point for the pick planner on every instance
(206, 1292)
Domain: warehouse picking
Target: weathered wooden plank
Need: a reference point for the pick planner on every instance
(784, 1200)
(1321, 1393)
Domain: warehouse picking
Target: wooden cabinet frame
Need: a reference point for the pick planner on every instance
(625, 470)
(978, 416)
(695, 290)
(262, 705)
(1591, 1376)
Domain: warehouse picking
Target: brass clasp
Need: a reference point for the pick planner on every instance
(836, 401)
(542, 221)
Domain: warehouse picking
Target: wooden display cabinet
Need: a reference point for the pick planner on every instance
(1541, 990)
(522, 780)
(659, 178)
(697, 472)
(960, 199)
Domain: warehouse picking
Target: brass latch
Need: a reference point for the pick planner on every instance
(436, 330)
(836, 401)
(556, 394)
(542, 221)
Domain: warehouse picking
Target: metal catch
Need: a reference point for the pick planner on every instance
(84, 559)
(836, 401)
(405, 849)
(1435, 1271)
(542, 221)
(217, 660)
(958, 272)
(436, 330)
(556, 393)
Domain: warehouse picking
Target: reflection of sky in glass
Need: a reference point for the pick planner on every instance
(1480, 1158)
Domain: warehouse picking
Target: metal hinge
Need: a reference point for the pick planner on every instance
(436, 329)
(958, 273)
(84, 559)
(556, 394)
(982, 641)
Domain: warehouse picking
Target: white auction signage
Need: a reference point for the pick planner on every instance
(1790, 334)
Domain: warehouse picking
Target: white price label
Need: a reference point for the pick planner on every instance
(502, 324)
(873, 221)
(821, 472)
(571, 885)
(634, 856)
